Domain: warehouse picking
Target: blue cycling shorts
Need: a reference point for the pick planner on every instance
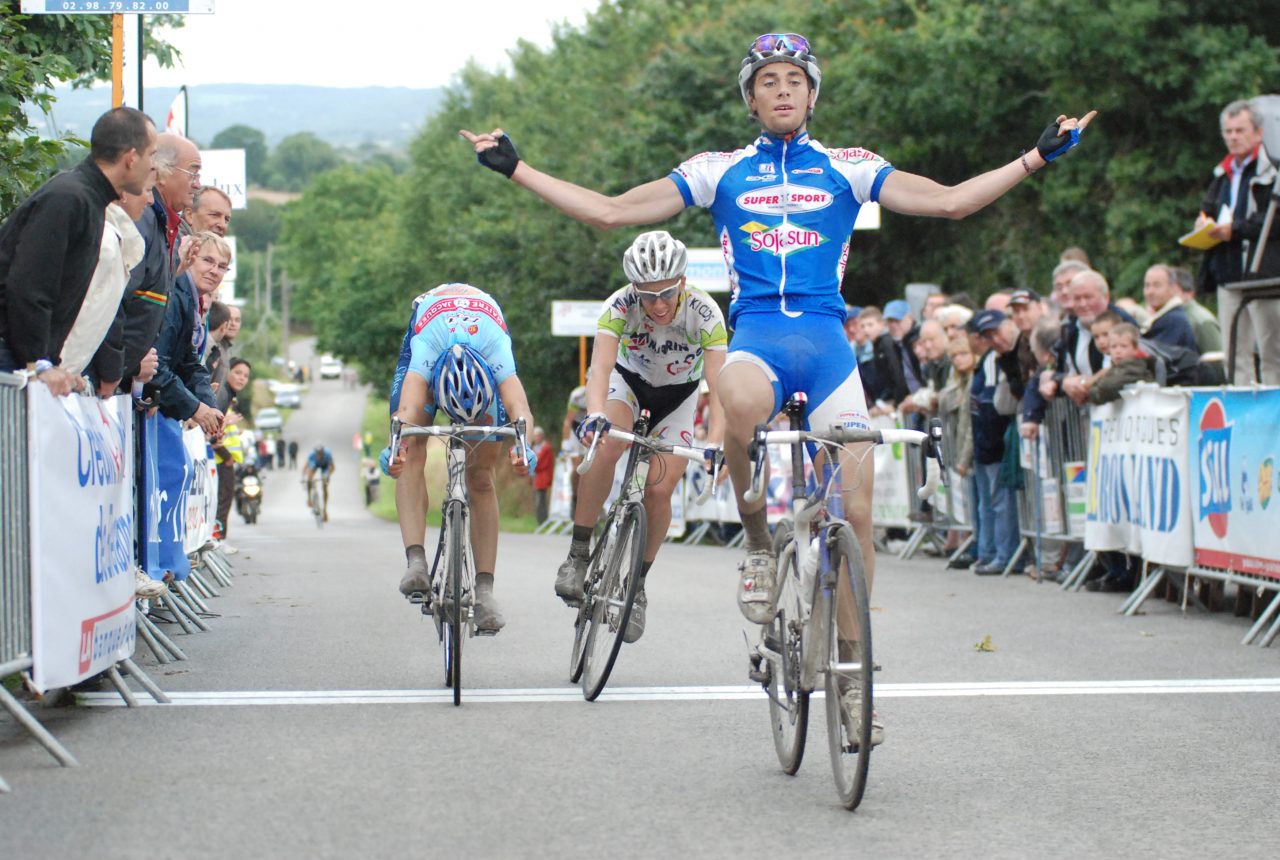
(808, 353)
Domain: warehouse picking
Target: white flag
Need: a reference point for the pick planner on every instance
(176, 122)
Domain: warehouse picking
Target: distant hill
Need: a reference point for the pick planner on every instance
(344, 117)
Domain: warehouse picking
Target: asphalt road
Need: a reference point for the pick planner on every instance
(310, 721)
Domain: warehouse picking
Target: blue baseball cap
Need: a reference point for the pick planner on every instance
(851, 312)
(896, 310)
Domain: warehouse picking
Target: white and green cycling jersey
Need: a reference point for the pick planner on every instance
(668, 354)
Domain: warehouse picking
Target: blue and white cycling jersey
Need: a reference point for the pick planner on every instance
(784, 212)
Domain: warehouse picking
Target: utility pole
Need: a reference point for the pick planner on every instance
(257, 283)
(270, 250)
(285, 286)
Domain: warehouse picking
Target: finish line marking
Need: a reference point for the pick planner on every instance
(688, 694)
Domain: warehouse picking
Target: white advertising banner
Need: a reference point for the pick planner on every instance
(891, 496)
(82, 529)
(224, 169)
(202, 498)
(1138, 498)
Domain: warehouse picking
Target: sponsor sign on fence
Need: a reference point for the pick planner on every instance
(82, 526)
(1235, 446)
(891, 496)
(202, 492)
(1139, 493)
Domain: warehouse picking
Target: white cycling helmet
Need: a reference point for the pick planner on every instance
(654, 256)
(779, 48)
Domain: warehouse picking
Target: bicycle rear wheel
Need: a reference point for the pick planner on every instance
(612, 599)
(454, 611)
(850, 750)
(781, 638)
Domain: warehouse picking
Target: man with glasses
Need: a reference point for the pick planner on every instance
(656, 340)
(784, 208)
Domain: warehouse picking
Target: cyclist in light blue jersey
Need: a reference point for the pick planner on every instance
(784, 207)
(457, 355)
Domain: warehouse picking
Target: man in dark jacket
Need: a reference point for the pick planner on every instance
(1078, 356)
(1169, 322)
(49, 246)
(1237, 200)
(991, 409)
(902, 327)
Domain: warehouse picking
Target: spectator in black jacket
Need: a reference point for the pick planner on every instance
(887, 385)
(49, 246)
(902, 326)
(181, 386)
(1078, 357)
(1169, 322)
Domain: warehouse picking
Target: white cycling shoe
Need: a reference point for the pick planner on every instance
(757, 592)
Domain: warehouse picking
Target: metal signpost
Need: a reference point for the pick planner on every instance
(576, 319)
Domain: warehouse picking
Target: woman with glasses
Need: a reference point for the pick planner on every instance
(657, 339)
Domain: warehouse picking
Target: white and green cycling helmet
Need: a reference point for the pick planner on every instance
(779, 48)
(654, 256)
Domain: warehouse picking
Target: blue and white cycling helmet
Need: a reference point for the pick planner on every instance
(462, 384)
(779, 48)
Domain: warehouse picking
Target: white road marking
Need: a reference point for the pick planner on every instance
(691, 694)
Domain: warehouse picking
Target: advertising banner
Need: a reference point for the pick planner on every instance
(891, 497)
(1075, 494)
(561, 507)
(173, 481)
(82, 527)
(1138, 494)
(202, 492)
(1235, 444)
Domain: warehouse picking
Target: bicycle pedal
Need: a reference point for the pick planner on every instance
(479, 632)
(416, 597)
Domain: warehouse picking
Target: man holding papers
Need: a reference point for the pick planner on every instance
(1237, 201)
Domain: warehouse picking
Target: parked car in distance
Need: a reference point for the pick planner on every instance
(268, 419)
(330, 367)
(289, 395)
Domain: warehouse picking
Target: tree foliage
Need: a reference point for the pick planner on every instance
(37, 51)
(298, 159)
(254, 144)
(944, 88)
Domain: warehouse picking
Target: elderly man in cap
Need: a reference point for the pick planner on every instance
(992, 406)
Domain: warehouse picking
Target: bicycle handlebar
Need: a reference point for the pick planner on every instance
(693, 455)
(516, 430)
(931, 442)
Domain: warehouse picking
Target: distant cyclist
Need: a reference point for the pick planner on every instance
(319, 463)
(784, 208)
(657, 339)
(476, 383)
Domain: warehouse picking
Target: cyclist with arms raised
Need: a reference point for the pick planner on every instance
(784, 208)
(319, 463)
(475, 383)
(657, 338)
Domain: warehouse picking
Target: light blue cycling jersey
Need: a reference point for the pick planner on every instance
(784, 211)
(460, 313)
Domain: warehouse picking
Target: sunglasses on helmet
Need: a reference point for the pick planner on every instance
(771, 42)
(649, 297)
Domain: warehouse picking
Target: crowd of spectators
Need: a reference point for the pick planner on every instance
(109, 279)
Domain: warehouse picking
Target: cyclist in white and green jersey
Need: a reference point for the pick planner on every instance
(657, 339)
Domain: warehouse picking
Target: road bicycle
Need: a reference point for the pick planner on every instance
(818, 558)
(613, 571)
(450, 600)
(315, 498)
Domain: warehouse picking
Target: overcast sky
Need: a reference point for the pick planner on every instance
(337, 43)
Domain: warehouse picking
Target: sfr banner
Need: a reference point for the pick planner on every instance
(82, 528)
(1138, 492)
(1235, 443)
(202, 492)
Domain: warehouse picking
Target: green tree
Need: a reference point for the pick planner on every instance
(257, 225)
(36, 51)
(298, 159)
(254, 144)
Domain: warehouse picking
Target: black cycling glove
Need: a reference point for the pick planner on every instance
(502, 158)
(1053, 144)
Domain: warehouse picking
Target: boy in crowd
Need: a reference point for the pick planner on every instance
(1129, 364)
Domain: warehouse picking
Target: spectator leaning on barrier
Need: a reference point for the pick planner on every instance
(1168, 321)
(1237, 200)
(1062, 276)
(210, 211)
(957, 427)
(902, 326)
(992, 407)
(1203, 323)
(219, 354)
(1129, 365)
(935, 368)
(50, 244)
(865, 323)
(181, 387)
(95, 344)
(1079, 357)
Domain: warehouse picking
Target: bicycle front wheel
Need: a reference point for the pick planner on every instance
(781, 642)
(582, 619)
(454, 611)
(612, 599)
(848, 682)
